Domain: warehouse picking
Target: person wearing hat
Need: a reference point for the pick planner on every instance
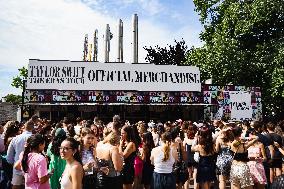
(56, 163)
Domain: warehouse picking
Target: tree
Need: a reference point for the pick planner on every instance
(18, 81)
(244, 43)
(15, 99)
(173, 55)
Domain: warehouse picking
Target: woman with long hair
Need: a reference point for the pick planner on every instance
(108, 156)
(189, 140)
(256, 155)
(88, 154)
(138, 130)
(127, 148)
(163, 158)
(73, 173)
(145, 153)
(55, 162)
(206, 166)
(181, 175)
(240, 176)
(10, 131)
(34, 164)
(225, 155)
(276, 161)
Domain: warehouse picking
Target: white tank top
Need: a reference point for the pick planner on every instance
(163, 166)
(65, 180)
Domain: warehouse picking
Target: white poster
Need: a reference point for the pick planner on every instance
(241, 108)
(68, 75)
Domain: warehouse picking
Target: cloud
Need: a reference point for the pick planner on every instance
(55, 29)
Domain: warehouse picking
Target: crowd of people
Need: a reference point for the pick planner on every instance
(88, 154)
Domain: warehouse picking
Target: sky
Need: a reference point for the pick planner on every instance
(55, 29)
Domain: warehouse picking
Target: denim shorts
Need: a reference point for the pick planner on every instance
(163, 181)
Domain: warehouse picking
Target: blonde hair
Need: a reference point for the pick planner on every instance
(112, 138)
(166, 138)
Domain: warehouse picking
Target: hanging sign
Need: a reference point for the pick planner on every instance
(68, 75)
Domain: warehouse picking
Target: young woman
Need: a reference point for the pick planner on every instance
(55, 162)
(225, 155)
(34, 164)
(108, 156)
(10, 131)
(276, 162)
(145, 152)
(240, 176)
(163, 158)
(127, 148)
(87, 150)
(256, 155)
(189, 140)
(138, 162)
(73, 173)
(176, 143)
(206, 166)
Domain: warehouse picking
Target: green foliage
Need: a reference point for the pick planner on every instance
(18, 80)
(173, 55)
(15, 99)
(244, 45)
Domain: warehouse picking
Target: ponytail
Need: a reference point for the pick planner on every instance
(77, 157)
(166, 151)
(32, 144)
(166, 138)
(25, 158)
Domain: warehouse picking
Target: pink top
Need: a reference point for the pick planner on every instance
(138, 163)
(254, 152)
(37, 168)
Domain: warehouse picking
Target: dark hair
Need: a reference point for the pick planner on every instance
(56, 142)
(78, 119)
(228, 135)
(96, 134)
(89, 123)
(237, 131)
(74, 144)
(11, 131)
(257, 125)
(116, 125)
(270, 126)
(71, 130)
(136, 136)
(129, 133)
(176, 132)
(191, 131)
(246, 123)
(205, 139)
(34, 118)
(148, 144)
(33, 143)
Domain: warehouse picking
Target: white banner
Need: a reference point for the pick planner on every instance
(240, 105)
(68, 75)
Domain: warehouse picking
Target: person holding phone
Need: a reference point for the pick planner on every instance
(88, 154)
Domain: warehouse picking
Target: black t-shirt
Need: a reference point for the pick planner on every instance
(264, 139)
(276, 138)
